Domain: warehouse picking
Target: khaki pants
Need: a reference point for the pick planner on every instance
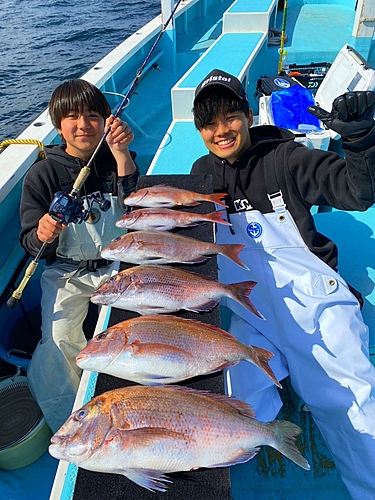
(52, 373)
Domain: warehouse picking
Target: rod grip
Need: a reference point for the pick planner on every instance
(17, 294)
(82, 176)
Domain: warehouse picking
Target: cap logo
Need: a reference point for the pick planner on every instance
(215, 79)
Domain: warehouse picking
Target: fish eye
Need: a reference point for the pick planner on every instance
(81, 414)
(100, 336)
(117, 238)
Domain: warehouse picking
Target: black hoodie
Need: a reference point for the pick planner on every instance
(306, 177)
(42, 182)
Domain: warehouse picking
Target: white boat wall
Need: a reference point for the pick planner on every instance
(235, 36)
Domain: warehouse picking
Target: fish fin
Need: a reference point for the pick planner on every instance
(216, 198)
(260, 357)
(152, 247)
(158, 350)
(146, 436)
(149, 437)
(284, 441)
(224, 366)
(240, 292)
(189, 224)
(206, 277)
(197, 260)
(173, 355)
(145, 310)
(151, 259)
(152, 480)
(240, 457)
(207, 306)
(217, 217)
(231, 251)
(152, 379)
(211, 327)
(191, 204)
(242, 407)
(160, 227)
(166, 204)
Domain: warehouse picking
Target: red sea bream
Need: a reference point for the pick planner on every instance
(164, 349)
(165, 219)
(165, 289)
(144, 432)
(163, 195)
(155, 247)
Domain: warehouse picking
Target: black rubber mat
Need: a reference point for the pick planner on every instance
(202, 484)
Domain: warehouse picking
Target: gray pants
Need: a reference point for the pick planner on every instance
(53, 375)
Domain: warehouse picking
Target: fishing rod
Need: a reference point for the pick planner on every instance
(67, 208)
(282, 41)
(85, 171)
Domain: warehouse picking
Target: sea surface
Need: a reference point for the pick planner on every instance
(45, 42)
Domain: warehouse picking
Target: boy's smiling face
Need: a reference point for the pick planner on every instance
(82, 132)
(227, 136)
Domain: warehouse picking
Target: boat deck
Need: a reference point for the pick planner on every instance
(331, 24)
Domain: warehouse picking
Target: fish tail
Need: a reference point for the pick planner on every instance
(218, 218)
(260, 357)
(240, 292)
(284, 441)
(217, 198)
(231, 250)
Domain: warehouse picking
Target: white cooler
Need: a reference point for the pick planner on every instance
(349, 72)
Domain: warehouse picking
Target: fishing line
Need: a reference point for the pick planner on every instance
(85, 171)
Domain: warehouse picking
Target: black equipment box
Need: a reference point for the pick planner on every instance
(268, 84)
(311, 75)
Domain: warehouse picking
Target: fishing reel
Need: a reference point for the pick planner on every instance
(66, 208)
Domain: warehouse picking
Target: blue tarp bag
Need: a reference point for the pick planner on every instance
(289, 108)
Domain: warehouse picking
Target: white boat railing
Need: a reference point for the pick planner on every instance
(364, 26)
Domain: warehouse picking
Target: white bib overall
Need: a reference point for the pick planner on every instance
(66, 290)
(85, 241)
(313, 325)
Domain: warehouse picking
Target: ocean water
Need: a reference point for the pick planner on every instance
(44, 43)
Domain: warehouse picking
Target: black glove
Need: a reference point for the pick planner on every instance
(352, 114)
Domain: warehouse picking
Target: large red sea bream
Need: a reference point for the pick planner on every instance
(145, 432)
(164, 349)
